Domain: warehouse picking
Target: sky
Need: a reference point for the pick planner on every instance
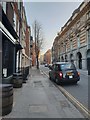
(51, 15)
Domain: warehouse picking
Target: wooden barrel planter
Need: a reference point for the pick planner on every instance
(25, 73)
(17, 80)
(6, 98)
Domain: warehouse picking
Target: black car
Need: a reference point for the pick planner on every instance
(61, 72)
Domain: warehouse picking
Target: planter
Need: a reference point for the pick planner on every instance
(7, 80)
(6, 98)
(17, 80)
(25, 73)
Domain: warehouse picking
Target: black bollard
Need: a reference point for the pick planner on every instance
(88, 65)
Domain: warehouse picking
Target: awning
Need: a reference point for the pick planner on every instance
(27, 57)
(8, 25)
(7, 33)
(18, 46)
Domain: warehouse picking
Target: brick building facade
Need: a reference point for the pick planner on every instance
(33, 53)
(15, 38)
(47, 57)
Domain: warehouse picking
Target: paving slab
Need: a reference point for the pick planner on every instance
(39, 98)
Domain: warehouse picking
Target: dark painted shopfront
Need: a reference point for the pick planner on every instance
(10, 46)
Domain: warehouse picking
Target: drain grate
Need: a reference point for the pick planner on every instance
(64, 103)
(38, 84)
(37, 108)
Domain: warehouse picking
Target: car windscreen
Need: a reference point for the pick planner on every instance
(67, 66)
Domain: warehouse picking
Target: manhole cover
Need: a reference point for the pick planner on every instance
(37, 108)
(38, 84)
(64, 103)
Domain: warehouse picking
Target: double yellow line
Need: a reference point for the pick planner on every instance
(75, 102)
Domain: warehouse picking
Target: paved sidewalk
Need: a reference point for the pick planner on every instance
(39, 98)
(83, 72)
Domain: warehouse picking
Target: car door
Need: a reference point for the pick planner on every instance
(55, 70)
(52, 72)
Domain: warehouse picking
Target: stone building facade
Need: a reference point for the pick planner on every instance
(74, 37)
(55, 50)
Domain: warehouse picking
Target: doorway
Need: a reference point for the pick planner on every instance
(79, 60)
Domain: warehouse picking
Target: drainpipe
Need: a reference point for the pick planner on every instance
(0, 57)
(0, 49)
(88, 64)
(14, 61)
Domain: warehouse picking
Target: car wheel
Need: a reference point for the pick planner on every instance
(75, 82)
(57, 81)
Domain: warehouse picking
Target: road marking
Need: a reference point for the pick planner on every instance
(13, 104)
(75, 102)
(41, 72)
(0, 118)
(45, 73)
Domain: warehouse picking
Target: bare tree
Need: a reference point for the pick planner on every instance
(38, 37)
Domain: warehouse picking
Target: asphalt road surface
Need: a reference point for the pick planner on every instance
(79, 90)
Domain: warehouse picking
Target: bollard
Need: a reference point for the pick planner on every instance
(88, 65)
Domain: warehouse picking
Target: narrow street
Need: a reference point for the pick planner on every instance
(39, 98)
(42, 45)
(79, 90)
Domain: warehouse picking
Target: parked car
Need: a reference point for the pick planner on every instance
(61, 72)
(50, 65)
(46, 65)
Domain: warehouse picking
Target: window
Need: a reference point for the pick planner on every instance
(4, 6)
(67, 66)
(19, 5)
(31, 46)
(89, 36)
(78, 24)
(18, 28)
(14, 21)
(78, 41)
(88, 15)
(0, 3)
(56, 67)
(66, 47)
(71, 44)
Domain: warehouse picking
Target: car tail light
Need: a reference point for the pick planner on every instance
(60, 75)
(78, 73)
